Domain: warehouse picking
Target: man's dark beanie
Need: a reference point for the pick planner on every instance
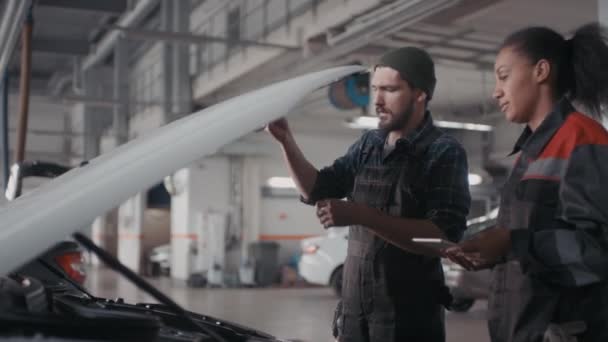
(414, 65)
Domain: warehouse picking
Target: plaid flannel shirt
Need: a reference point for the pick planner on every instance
(445, 194)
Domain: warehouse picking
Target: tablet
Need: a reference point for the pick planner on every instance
(434, 243)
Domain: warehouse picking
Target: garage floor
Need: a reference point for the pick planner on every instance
(302, 314)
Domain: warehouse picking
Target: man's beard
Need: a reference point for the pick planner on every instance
(400, 121)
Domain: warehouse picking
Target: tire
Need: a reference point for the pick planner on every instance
(335, 281)
(462, 304)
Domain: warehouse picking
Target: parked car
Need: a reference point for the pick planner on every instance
(49, 305)
(323, 259)
(159, 261)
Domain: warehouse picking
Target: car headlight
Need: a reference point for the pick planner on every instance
(310, 249)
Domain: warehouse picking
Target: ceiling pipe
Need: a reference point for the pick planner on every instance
(26, 64)
(13, 17)
(4, 132)
(106, 46)
(6, 21)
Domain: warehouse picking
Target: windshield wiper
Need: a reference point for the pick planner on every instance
(138, 281)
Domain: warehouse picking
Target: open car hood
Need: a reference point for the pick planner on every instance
(30, 224)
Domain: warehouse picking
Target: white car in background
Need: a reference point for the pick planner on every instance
(323, 258)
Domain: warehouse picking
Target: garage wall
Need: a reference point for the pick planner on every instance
(44, 140)
(207, 186)
(44, 115)
(146, 81)
(145, 122)
(76, 113)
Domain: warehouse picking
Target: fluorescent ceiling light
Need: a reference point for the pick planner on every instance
(363, 122)
(464, 125)
(370, 122)
(475, 179)
(281, 183)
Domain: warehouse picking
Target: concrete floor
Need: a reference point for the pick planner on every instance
(303, 314)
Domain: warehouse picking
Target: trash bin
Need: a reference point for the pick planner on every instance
(265, 255)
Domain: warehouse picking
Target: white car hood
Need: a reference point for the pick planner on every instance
(70, 202)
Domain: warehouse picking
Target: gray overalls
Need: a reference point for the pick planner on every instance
(556, 203)
(389, 294)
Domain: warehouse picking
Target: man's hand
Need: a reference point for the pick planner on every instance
(483, 250)
(279, 130)
(338, 213)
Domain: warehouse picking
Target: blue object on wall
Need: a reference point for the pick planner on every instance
(351, 92)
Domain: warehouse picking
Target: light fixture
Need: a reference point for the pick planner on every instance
(475, 179)
(362, 122)
(281, 183)
(370, 122)
(464, 125)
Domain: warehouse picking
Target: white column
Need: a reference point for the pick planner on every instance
(98, 236)
(182, 236)
(130, 221)
(252, 197)
(205, 188)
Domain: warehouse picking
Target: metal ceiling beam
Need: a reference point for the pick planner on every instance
(34, 75)
(11, 23)
(49, 155)
(377, 50)
(389, 18)
(61, 46)
(193, 38)
(444, 42)
(111, 6)
(448, 38)
(38, 81)
(103, 102)
(105, 46)
(417, 30)
(46, 132)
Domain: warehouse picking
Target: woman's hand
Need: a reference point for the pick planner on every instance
(482, 250)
